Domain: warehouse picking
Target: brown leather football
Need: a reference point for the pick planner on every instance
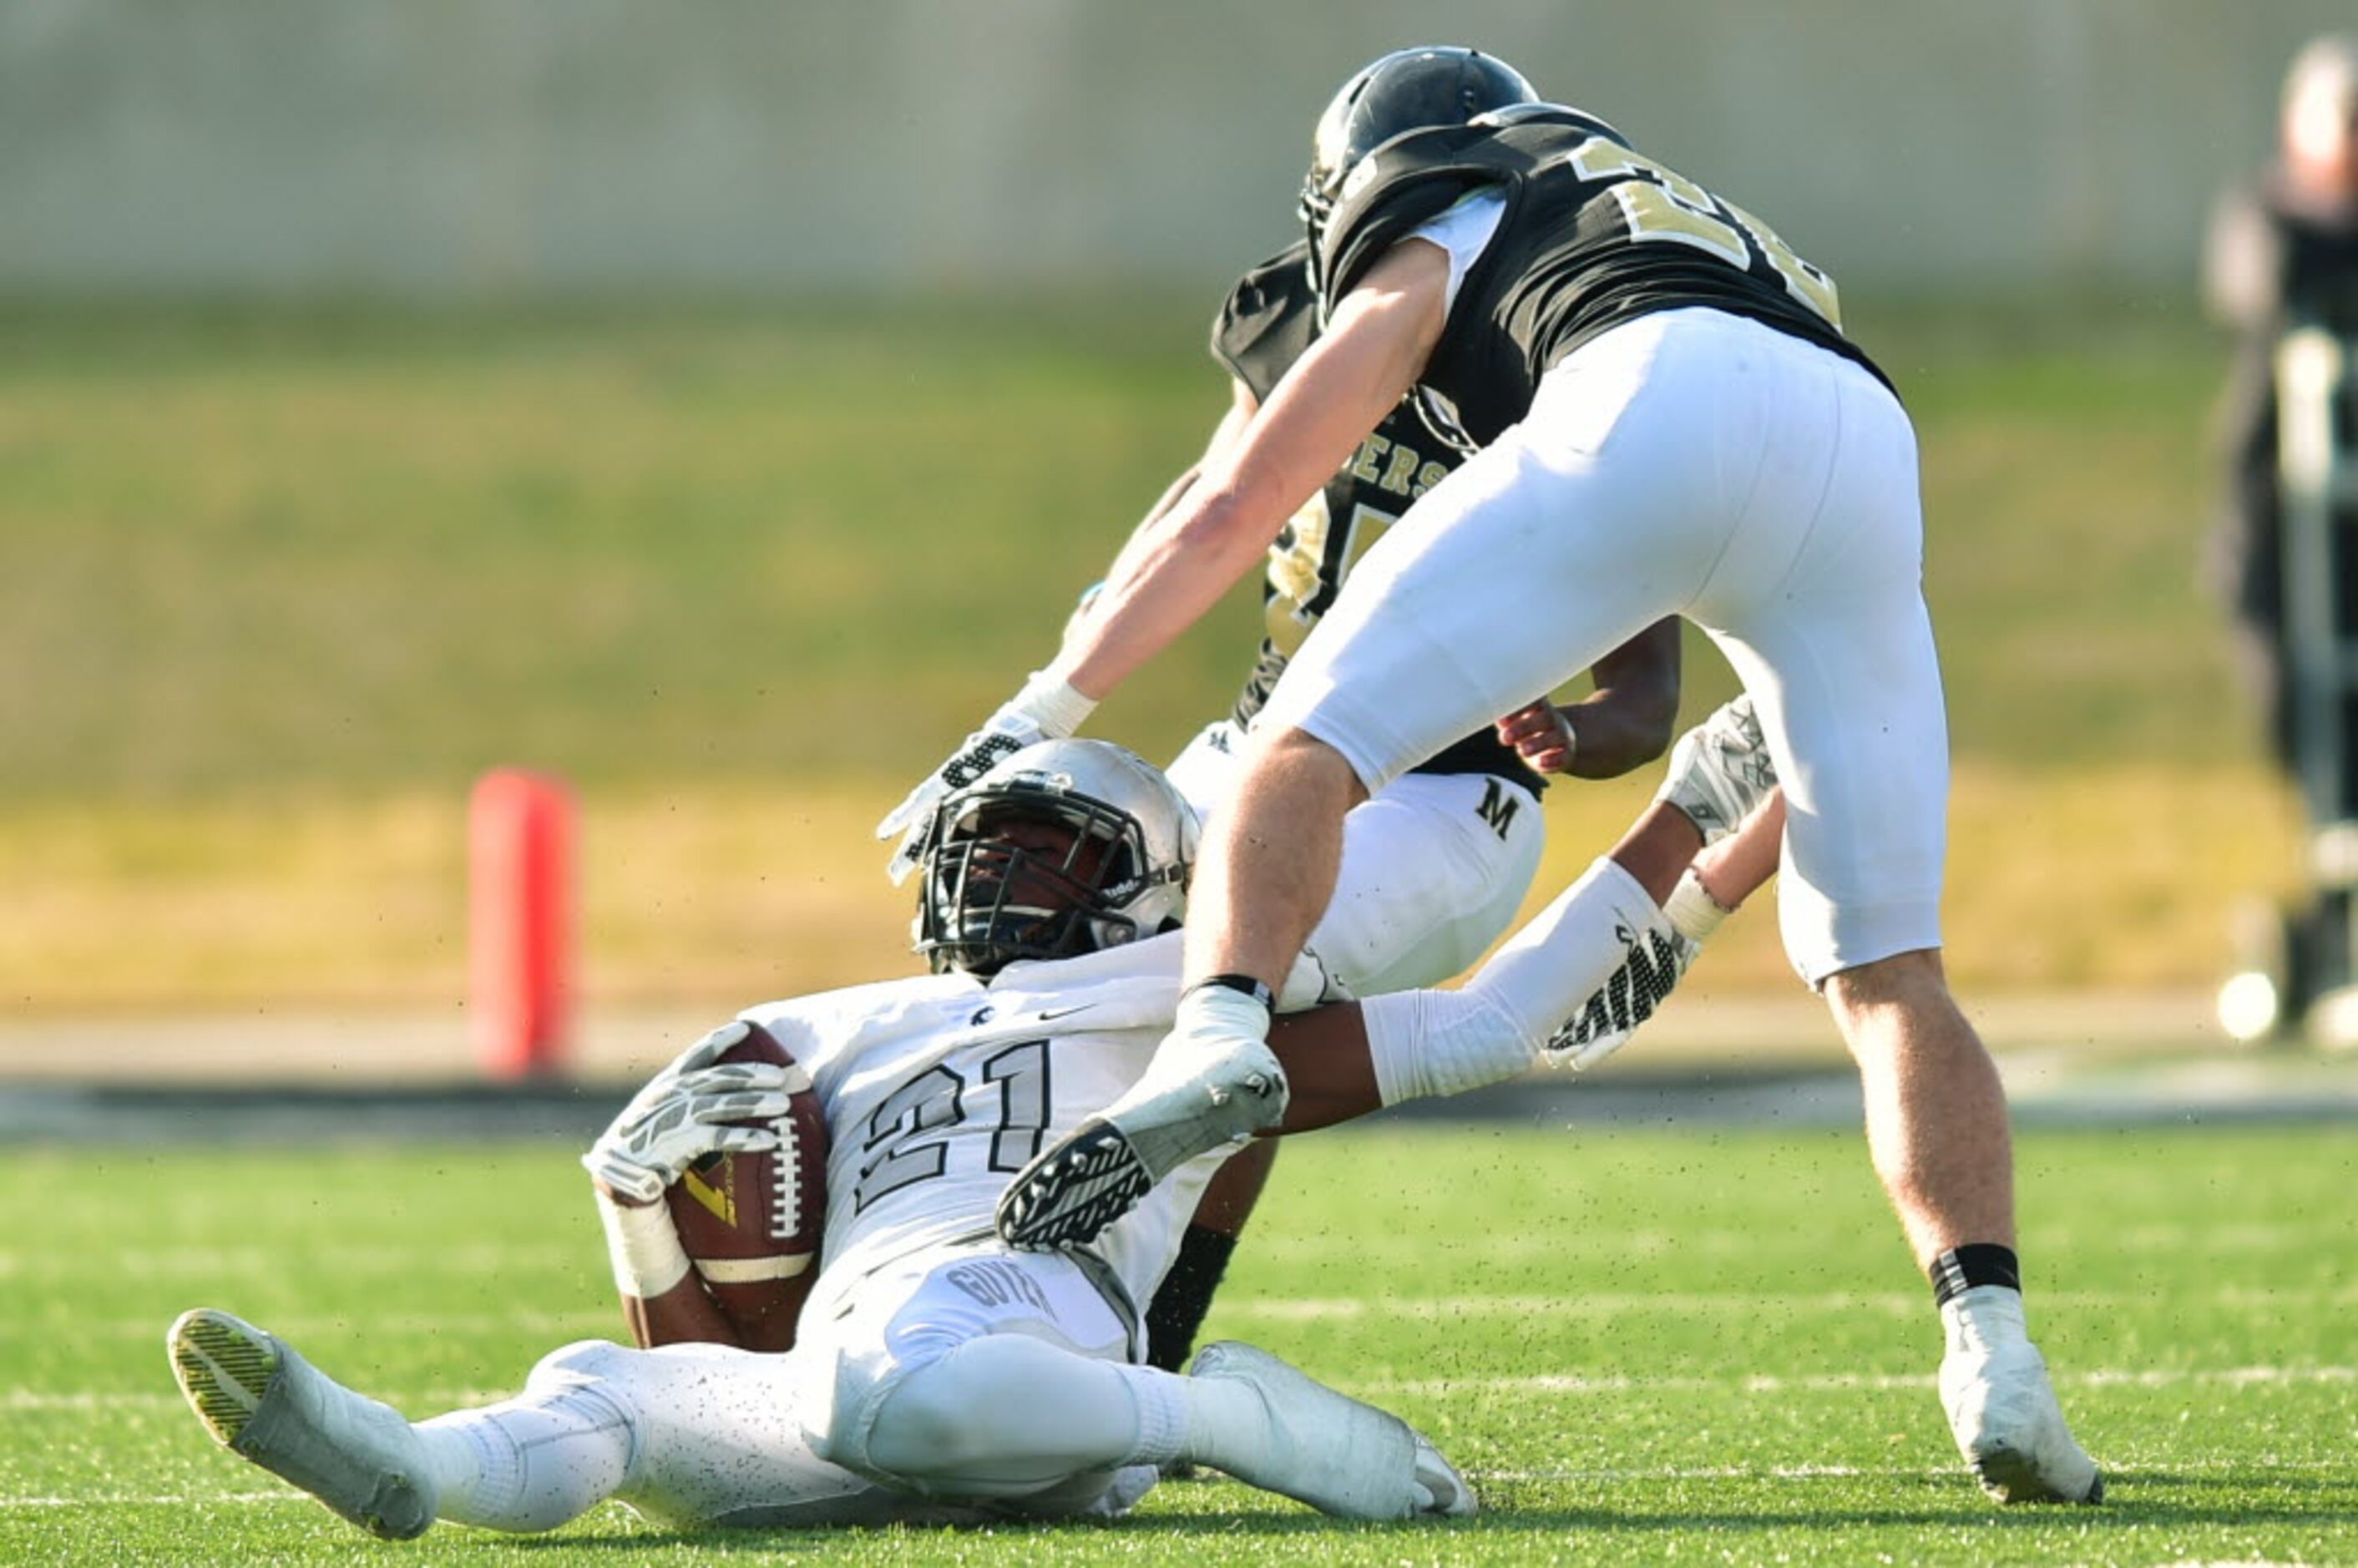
(751, 1223)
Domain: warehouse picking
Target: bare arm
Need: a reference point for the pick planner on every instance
(1624, 723)
(1242, 407)
(1179, 562)
(681, 1315)
(664, 1299)
(1628, 719)
(1329, 1076)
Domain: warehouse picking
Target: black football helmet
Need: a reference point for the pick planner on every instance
(1117, 873)
(1407, 89)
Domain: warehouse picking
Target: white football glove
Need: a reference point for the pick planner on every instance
(1578, 1055)
(676, 1119)
(1047, 709)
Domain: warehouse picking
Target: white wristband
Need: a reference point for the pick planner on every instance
(643, 1247)
(1049, 700)
(1692, 912)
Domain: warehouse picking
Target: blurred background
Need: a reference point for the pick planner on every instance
(721, 409)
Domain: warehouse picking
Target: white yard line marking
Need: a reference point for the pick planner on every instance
(464, 1258)
(1842, 1472)
(1574, 1302)
(1764, 1383)
(165, 1501)
(556, 1328)
(26, 1401)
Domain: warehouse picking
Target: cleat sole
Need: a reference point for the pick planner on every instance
(2013, 1478)
(1066, 1201)
(223, 1373)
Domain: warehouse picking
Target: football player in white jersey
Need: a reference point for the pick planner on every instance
(938, 1374)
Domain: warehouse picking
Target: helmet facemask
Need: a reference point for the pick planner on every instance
(1028, 863)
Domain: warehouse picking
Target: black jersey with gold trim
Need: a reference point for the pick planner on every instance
(1594, 233)
(1268, 321)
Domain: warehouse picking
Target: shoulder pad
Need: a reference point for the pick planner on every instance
(1268, 319)
(1556, 114)
(1414, 178)
(1403, 184)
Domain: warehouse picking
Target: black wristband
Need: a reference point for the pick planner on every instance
(1244, 983)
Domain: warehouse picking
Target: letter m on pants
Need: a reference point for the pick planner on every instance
(1497, 808)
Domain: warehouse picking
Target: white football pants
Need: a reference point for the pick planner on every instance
(1698, 464)
(1435, 866)
(993, 1382)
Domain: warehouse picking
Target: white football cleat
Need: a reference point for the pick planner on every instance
(1327, 1449)
(1720, 769)
(1199, 1093)
(264, 1402)
(2002, 1407)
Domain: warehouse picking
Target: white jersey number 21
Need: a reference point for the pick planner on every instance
(902, 1146)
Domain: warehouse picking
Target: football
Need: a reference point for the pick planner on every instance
(750, 1223)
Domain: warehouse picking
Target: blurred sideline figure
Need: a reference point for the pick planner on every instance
(1668, 421)
(2281, 270)
(939, 1375)
(2282, 254)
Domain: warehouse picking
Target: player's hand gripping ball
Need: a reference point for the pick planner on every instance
(751, 1218)
(730, 1138)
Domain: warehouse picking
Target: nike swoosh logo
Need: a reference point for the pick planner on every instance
(1048, 1017)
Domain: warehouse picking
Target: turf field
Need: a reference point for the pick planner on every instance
(1686, 1346)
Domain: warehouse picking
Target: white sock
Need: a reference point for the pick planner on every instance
(1427, 1045)
(1589, 967)
(532, 1463)
(1560, 964)
(1227, 1425)
(470, 1459)
(1627, 970)
(1161, 1399)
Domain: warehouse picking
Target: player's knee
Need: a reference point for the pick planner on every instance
(1911, 981)
(1310, 762)
(861, 1399)
(929, 1426)
(584, 1361)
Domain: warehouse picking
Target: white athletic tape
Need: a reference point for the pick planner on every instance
(642, 1247)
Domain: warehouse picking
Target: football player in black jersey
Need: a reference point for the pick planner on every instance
(1667, 419)
(1434, 870)
(1432, 876)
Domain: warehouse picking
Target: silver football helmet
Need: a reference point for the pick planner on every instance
(1061, 849)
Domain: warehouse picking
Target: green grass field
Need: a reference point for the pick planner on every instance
(276, 588)
(1701, 1346)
